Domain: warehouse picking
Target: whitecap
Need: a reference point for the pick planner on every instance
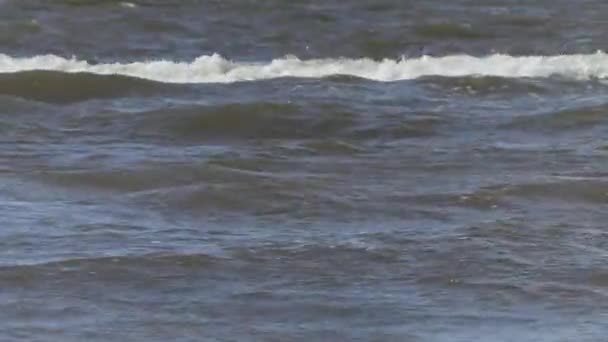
(216, 69)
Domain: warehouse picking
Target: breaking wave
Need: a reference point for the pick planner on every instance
(216, 69)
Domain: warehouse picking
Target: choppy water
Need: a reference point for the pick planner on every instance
(303, 171)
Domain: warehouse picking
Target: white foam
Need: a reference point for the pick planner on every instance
(215, 68)
(128, 4)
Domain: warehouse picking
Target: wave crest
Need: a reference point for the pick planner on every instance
(216, 69)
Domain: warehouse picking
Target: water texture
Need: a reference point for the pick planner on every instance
(303, 171)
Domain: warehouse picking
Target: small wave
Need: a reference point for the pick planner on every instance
(449, 31)
(216, 69)
(258, 120)
(559, 189)
(487, 85)
(58, 87)
(249, 121)
(276, 120)
(107, 268)
(568, 119)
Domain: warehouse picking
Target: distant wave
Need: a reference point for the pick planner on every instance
(216, 69)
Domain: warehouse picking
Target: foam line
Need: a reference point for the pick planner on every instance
(214, 68)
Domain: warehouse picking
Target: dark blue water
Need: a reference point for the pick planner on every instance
(304, 171)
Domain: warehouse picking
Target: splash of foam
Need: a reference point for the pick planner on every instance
(216, 69)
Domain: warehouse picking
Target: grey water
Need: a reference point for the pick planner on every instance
(191, 201)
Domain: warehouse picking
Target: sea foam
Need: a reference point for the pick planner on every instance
(216, 69)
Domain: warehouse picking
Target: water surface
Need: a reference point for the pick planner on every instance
(303, 171)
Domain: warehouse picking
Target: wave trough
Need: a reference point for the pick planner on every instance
(216, 69)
